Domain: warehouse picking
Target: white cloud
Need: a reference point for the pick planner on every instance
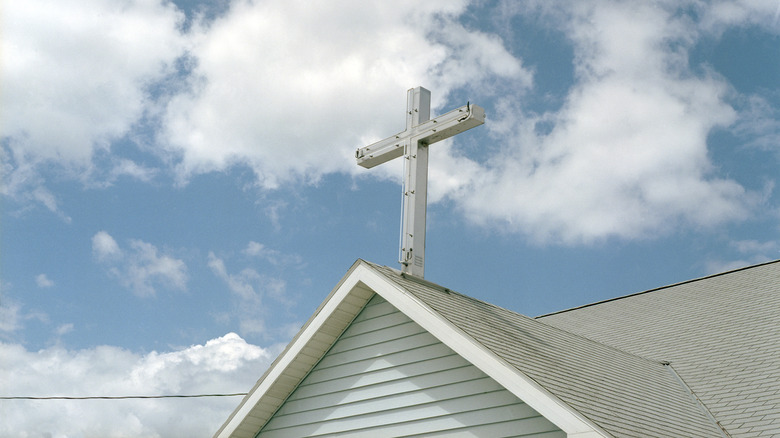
(222, 365)
(627, 154)
(258, 249)
(292, 89)
(723, 13)
(121, 168)
(272, 256)
(76, 76)
(13, 316)
(750, 252)
(64, 329)
(140, 267)
(75, 71)
(22, 182)
(759, 124)
(10, 316)
(104, 246)
(43, 281)
(239, 284)
(756, 247)
(249, 290)
(147, 267)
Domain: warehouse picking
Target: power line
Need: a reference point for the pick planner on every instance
(121, 397)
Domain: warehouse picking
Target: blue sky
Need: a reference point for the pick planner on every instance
(179, 190)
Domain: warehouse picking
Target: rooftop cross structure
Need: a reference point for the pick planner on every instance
(412, 143)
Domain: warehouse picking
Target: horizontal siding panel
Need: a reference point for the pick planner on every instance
(408, 406)
(393, 378)
(427, 352)
(478, 385)
(401, 331)
(537, 427)
(362, 326)
(381, 425)
(415, 341)
(376, 307)
(370, 402)
(377, 369)
(387, 376)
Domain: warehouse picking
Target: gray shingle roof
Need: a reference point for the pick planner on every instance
(688, 360)
(626, 394)
(720, 333)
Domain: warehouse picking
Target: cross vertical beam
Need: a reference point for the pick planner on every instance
(415, 190)
(421, 131)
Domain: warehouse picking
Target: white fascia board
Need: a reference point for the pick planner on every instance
(525, 388)
(331, 303)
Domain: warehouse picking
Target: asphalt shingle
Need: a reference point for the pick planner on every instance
(626, 394)
(721, 333)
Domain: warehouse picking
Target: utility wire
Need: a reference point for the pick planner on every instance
(121, 397)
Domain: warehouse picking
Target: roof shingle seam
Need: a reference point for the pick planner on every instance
(696, 399)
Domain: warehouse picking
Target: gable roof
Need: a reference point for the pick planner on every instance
(585, 387)
(721, 334)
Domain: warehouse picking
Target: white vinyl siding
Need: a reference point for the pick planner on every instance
(386, 376)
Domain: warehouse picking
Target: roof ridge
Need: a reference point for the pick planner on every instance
(706, 277)
(433, 285)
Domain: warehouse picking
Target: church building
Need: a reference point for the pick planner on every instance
(390, 354)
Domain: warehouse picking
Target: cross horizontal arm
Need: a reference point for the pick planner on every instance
(437, 129)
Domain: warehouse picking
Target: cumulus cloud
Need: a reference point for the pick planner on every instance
(76, 76)
(720, 14)
(223, 365)
(139, 267)
(626, 155)
(269, 91)
(43, 281)
(104, 246)
(75, 72)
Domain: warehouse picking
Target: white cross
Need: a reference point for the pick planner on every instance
(413, 143)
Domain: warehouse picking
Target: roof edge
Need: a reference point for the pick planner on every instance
(707, 277)
(290, 353)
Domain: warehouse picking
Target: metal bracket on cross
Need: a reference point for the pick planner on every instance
(412, 143)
